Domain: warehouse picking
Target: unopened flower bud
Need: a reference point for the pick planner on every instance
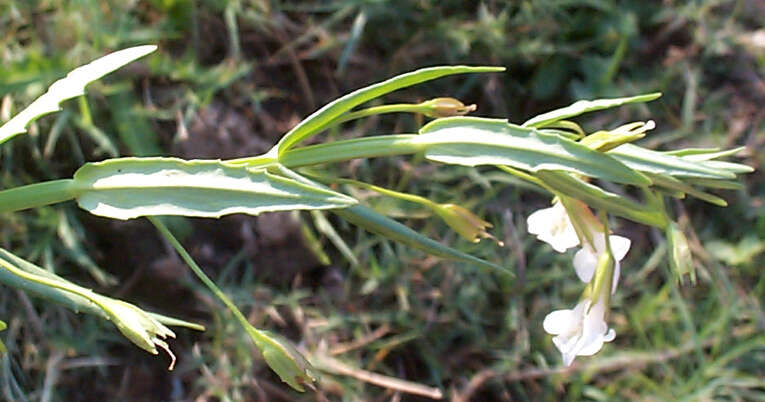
(464, 222)
(135, 324)
(446, 107)
(680, 260)
(284, 359)
(604, 141)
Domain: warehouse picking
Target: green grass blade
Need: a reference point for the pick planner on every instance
(474, 141)
(585, 106)
(319, 119)
(127, 188)
(71, 86)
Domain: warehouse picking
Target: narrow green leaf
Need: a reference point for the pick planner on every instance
(585, 106)
(127, 188)
(69, 87)
(730, 167)
(314, 123)
(677, 185)
(655, 162)
(596, 197)
(474, 141)
(704, 154)
(721, 184)
(375, 222)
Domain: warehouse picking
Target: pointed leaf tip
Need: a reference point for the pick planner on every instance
(71, 86)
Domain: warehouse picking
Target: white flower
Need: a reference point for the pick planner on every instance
(581, 331)
(586, 259)
(553, 226)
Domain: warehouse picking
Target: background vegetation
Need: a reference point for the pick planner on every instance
(231, 76)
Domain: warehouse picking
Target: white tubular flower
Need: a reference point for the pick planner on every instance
(581, 331)
(553, 226)
(586, 259)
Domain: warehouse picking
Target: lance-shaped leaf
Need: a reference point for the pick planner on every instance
(69, 87)
(314, 123)
(375, 222)
(729, 167)
(675, 185)
(659, 163)
(475, 141)
(127, 188)
(585, 106)
(596, 197)
(704, 154)
(721, 184)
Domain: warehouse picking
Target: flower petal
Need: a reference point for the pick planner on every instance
(617, 273)
(619, 246)
(553, 226)
(568, 358)
(560, 322)
(581, 331)
(591, 347)
(585, 262)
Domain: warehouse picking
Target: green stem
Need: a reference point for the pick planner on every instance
(37, 195)
(51, 192)
(68, 287)
(374, 110)
(367, 147)
(205, 279)
(384, 191)
(525, 176)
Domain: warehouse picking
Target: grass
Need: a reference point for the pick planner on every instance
(231, 77)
